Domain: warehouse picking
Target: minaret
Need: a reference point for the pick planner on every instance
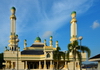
(73, 27)
(25, 43)
(13, 21)
(13, 42)
(44, 42)
(51, 42)
(57, 44)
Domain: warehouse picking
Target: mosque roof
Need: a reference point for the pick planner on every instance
(37, 45)
(32, 52)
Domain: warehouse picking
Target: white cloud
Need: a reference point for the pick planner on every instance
(47, 34)
(59, 11)
(95, 24)
(70, 5)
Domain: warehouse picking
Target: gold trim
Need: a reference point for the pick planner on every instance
(13, 17)
(73, 20)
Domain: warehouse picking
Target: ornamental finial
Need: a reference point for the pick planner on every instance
(13, 9)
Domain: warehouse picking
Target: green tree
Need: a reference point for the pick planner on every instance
(74, 48)
(1, 60)
(58, 55)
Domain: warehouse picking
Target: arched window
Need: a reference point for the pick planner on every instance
(48, 55)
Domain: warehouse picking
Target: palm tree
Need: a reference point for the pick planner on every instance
(58, 56)
(74, 48)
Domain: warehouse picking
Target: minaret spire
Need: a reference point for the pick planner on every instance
(25, 43)
(57, 44)
(13, 42)
(13, 20)
(44, 42)
(51, 42)
(73, 27)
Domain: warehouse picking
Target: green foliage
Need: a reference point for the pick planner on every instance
(84, 49)
(75, 49)
(58, 55)
(1, 60)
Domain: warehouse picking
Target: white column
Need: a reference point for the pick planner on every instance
(65, 66)
(11, 65)
(6, 65)
(13, 26)
(73, 29)
(33, 66)
(98, 65)
(44, 64)
(26, 65)
(39, 64)
(51, 65)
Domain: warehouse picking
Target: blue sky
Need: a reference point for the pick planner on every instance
(51, 17)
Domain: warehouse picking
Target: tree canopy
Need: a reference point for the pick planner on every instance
(76, 50)
(1, 60)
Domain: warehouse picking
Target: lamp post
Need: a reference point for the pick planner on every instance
(64, 55)
(65, 59)
(80, 38)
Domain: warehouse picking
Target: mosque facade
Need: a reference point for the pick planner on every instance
(39, 56)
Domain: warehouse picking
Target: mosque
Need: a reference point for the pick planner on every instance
(39, 56)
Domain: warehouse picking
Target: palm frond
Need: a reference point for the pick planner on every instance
(58, 55)
(69, 46)
(75, 42)
(84, 49)
(75, 49)
(58, 49)
(62, 55)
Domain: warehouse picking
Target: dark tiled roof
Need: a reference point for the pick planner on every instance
(32, 52)
(89, 65)
(37, 45)
(97, 56)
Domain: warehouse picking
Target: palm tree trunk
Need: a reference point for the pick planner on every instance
(74, 56)
(67, 66)
(74, 64)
